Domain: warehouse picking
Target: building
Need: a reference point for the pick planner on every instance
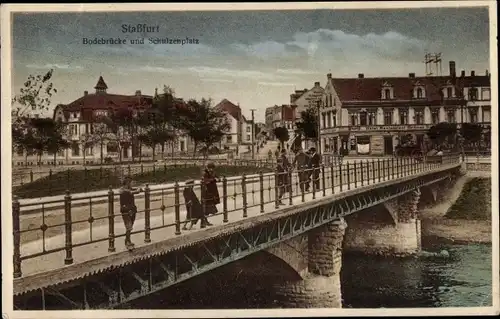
(300, 100)
(367, 115)
(240, 132)
(80, 117)
(280, 116)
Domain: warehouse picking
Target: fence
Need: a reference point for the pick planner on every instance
(162, 207)
(58, 180)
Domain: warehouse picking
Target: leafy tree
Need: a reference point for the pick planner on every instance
(471, 133)
(101, 133)
(156, 132)
(204, 124)
(281, 134)
(45, 134)
(88, 140)
(56, 140)
(442, 134)
(308, 125)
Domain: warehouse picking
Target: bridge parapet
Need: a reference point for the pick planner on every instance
(256, 221)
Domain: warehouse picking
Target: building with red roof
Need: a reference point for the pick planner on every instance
(367, 115)
(240, 132)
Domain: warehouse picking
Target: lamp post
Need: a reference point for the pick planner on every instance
(318, 104)
(253, 134)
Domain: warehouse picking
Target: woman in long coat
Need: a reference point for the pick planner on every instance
(209, 191)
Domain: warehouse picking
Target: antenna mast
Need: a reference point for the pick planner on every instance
(430, 59)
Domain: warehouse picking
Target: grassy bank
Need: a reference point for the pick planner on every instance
(78, 181)
(474, 202)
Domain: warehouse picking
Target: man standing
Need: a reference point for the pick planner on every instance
(315, 166)
(128, 209)
(193, 207)
(301, 161)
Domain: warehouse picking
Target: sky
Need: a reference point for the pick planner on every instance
(253, 58)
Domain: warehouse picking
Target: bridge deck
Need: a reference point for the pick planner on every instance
(90, 257)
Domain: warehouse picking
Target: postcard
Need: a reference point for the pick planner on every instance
(249, 160)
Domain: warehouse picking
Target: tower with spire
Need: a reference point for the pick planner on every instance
(101, 86)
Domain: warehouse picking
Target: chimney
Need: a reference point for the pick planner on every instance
(462, 74)
(329, 76)
(453, 72)
(85, 93)
(411, 75)
(316, 84)
(472, 73)
(138, 93)
(361, 76)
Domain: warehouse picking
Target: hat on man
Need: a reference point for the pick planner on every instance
(312, 149)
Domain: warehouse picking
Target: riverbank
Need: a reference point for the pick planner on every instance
(463, 216)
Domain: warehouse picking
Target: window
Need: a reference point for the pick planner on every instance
(419, 116)
(112, 147)
(387, 94)
(435, 116)
(19, 151)
(473, 115)
(485, 94)
(73, 129)
(363, 118)
(334, 119)
(387, 117)
(75, 115)
(60, 153)
(473, 94)
(229, 138)
(449, 92)
(403, 117)
(89, 150)
(329, 119)
(323, 120)
(450, 116)
(331, 97)
(249, 129)
(75, 149)
(419, 93)
(249, 137)
(372, 118)
(354, 119)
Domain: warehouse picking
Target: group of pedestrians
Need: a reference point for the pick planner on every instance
(308, 166)
(196, 210)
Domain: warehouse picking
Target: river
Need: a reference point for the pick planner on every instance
(462, 280)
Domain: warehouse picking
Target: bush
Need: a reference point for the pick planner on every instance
(86, 180)
(474, 202)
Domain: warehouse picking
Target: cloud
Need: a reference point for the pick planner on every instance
(204, 71)
(326, 44)
(56, 66)
(217, 80)
(276, 84)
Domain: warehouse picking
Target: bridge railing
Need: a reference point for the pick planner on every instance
(84, 179)
(164, 207)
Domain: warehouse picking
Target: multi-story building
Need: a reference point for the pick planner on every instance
(80, 117)
(368, 115)
(300, 100)
(280, 116)
(240, 132)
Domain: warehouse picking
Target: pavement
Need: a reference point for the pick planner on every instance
(162, 221)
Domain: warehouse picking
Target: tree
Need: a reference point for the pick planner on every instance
(89, 140)
(101, 133)
(156, 132)
(56, 140)
(44, 134)
(442, 134)
(308, 125)
(471, 133)
(282, 135)
(204, 124)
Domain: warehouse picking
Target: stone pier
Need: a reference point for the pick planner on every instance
(392, 228)
(320, 286)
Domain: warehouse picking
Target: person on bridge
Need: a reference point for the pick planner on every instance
(209, 191)
(128, 209)
(194, 210)
(314, 165)
(285, 161)
(301, 161)
(283, 179)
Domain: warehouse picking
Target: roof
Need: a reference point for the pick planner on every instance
(369, 89)
(231, 109)
(101, 84)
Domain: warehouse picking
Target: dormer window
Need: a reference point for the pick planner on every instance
(473, 94)
(449, 92)
(418, 90)
(387, 92)
(419, 93)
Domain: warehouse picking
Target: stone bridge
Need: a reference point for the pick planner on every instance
(374, 212)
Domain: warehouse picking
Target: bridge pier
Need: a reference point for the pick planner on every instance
(320, 286)
(390, 229)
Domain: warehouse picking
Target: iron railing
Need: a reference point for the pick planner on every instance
(166, 204)
(60, 179)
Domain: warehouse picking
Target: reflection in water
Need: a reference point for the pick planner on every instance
(462, 280)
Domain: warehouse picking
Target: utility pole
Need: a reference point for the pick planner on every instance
(253, 134)
(319, 127)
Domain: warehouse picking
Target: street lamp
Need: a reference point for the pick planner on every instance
(253, 134)
(318, 104)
